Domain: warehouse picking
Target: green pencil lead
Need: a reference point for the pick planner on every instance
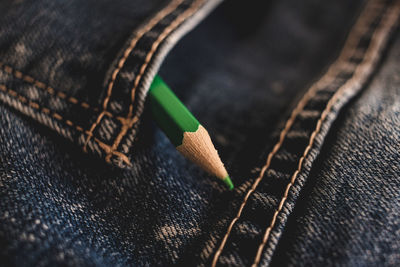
(227, 180)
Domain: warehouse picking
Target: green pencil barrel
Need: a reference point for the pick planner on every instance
(169, 112)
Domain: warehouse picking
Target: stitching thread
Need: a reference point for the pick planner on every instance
(369, 61)
(128, 122)
(326, 79)
(25, 100)
(156, 19)
(50, 90)
(29, 79)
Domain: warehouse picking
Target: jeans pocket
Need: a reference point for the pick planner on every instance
(84, 69)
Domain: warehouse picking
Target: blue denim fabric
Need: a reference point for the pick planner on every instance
(244, 73)
(348, 212)
(84, 69)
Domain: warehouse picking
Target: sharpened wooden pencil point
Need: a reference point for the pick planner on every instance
(197, 147)
(189, 137)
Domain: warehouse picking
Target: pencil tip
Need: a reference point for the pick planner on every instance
(227, 180)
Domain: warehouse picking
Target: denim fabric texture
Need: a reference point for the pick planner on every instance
(358, 175)
(82, 71)
(275, 83)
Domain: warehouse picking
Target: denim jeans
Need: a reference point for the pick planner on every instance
(301, 99)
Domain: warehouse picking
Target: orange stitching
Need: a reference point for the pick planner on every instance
(58, 117)
(61, 94)
(173, 5)
(128, 122)
(51, 91)
(34, 105)
(155, 45)
(70, 123)
(126, 125)
(110, 151)
(19, 75)
(326, 79)
(28, 79)
(73, 100)
(46, 110)
(39, 84)
(22, 99)
(363, 70)
(85, 105)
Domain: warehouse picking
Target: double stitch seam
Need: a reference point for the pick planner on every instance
(361, 73)
(326, 79)
(172, 6)
(128, 122)
(108, 149)
(55, 115)
(35, 105)
(50, 90)
(156, 19)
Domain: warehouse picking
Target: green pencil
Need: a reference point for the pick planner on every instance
(189, 137)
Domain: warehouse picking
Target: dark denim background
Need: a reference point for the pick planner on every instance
(241, 77)
(348, 213)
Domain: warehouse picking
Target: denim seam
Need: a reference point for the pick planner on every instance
(55, 115)
(326, 79)
(171, 7)
(179, 13)
(128, 121)
(29, 79)
(107, 149)
(50, 90)
(370, 59)
(169, 42)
